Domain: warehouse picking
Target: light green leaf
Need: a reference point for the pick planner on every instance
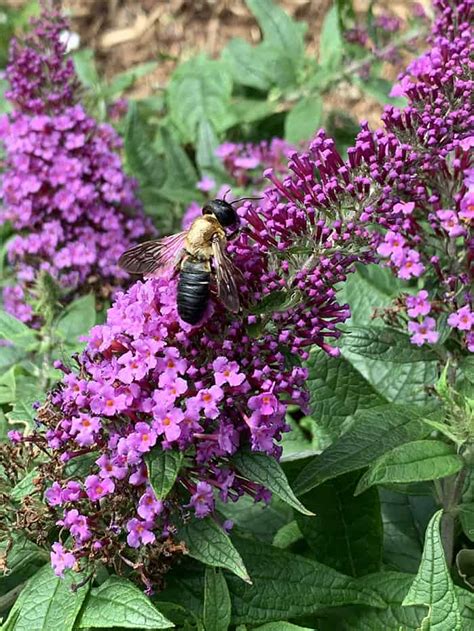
(331, 43)
(337, 391)
(412, 462)
(281, 625)
(48, 603)
(304, 119)
(163, 468)
(466, 515)
(405, 518)
(287, 535)
(77, 319)
(373, 433)
(288, 585)
(207, 144)
(249, 65)
(119, 603)
(124, 80)
(207, 542)
(265, 470)
(279, 30)
(433, 585)
(86, 69)
(216, 601)
(346, 533)
(200, 89)
(16, 332)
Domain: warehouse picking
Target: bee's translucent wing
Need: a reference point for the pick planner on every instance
(153, 256)
(227, 291)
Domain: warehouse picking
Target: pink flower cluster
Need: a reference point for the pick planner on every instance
(63, 188)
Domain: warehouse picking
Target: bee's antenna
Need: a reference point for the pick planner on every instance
(225, 194)
(243, 199)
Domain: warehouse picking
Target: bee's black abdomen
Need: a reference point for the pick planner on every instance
(193, 290)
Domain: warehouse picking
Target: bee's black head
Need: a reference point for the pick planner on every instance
(222, 211)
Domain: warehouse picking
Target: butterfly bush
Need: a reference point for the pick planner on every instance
(64, 192)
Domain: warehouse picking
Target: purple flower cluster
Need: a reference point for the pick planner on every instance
(63, 187)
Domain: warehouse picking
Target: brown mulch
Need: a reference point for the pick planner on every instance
(124, 33)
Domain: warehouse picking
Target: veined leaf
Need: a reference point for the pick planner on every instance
(207, 542)
(412, 462)
(119, 603)
(249, 65)
(47, 603)
(304, 119)
(373, 433)
(163, 468)
(331, 44)
(433, 585)
(142, 160)
(346, 533)
(466, 515)
(265, 470)
(216, 601)
(16, 332)
(77, 319)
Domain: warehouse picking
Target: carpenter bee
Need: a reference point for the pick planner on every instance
(198, 255)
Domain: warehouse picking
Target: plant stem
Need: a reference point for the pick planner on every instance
(452, 492)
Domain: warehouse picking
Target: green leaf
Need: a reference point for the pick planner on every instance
(207, 144)
(119, 603)
(181, 173)
(379, 89)
(412, 462)
(200, 89)
(281, 625)
(337, 391)
(386, 344)
(216, 601)
(47, 603)
(16, 332)
(265, 470)
(163, 468)
(124, 80)
(207, 542)
(373, 433)
(249, 65)
(86, 69)
(304, 119)
(331, 43)
(24, 559)
(25, 486)
(287, 535)
(405, 518)
(289, 585)
(466, 515)
(78, 318)
(140, 156)
(433, 585)
(346, 533)
(392, 588)
(279, 30)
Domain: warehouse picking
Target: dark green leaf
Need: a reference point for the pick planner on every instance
(216, 601)
(77, 319)
(373, 433)
(181, 173)
(346, 533)
(304, 119)
(433, 585)
(279, 30)
(47, 603)
(288, 585)
(24, 559)
(163, 468)
(337, 391)
(282, 626)
(405, 518)
(265, 470)
(25, 486)
(278, 300)
(119, 603)
(384, 343)
(379, 89)
(465, 567)
(140, 156)
(466, 515)
(287, 535)
(412, 462)
(207, 542)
